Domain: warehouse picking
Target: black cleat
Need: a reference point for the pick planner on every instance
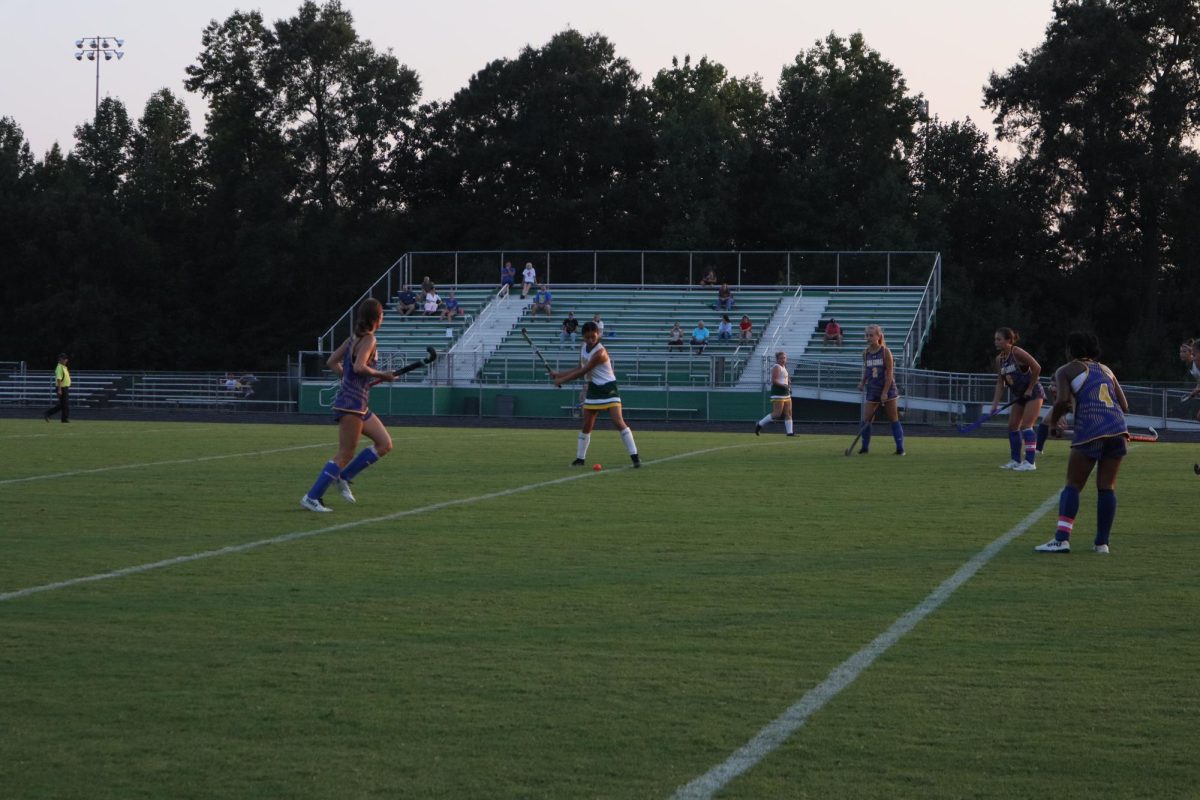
(579, 462)
(757, 429)
(637, 460)
(791, 434)
(1196, 468)
(863, 451)
(898, 453)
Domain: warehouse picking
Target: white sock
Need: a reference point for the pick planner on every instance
(627, 438)
(581, 447)
(767, 420)
(787, 425)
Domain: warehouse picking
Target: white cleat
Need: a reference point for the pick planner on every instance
(1025, 466)
(1102, 549)
(313, 504)
(1053, 546)
(344, 488)
(1010, 465)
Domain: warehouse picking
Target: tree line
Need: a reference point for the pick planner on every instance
(149, 246)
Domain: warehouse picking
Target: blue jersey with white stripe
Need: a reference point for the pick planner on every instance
(1097, 413)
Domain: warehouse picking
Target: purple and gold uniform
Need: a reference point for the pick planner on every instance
(1098, 416)
(1017, 378)
(352, 394)
(876, 374)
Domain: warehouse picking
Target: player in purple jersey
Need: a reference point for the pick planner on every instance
(879, 383)
(1100, 434)
(354, 363)
(1019, 372)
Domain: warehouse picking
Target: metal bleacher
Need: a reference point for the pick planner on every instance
(636, 326)
(854, 309)
(413, 333)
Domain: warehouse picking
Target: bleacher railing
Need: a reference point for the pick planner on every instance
(783, 269)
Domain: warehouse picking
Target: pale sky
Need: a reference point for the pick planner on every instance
(945, 49)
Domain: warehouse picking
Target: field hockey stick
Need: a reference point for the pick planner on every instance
(536, 352)
(861, 430)
(429, 359)
(1143, 437)
(984, 417)
(1152, 436)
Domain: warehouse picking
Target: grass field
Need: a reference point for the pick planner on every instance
(488, 623)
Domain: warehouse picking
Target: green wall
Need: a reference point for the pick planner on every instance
(541, 403)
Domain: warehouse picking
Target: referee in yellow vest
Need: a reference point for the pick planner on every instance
(62, 388)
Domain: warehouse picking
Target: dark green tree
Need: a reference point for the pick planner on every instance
(551, 149)
(843, 125)
(1106, 111)
(705, 126)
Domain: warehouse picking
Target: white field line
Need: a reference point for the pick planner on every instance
(777, 732)
(291, 537)
(177, 461)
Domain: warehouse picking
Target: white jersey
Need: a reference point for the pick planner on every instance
(780, 376)
(602, 373)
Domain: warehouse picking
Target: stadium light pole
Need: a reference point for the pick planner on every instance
(99, 48)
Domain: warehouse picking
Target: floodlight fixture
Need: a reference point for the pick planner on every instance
(94, 46)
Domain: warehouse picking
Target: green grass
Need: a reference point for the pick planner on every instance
(617, 635)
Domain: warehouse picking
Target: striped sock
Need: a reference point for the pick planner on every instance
(1068, 508)
(1030, 440)
(363, 460)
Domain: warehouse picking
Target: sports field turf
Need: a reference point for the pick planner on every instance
(488, 622)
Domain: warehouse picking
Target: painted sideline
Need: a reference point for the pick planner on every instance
(777, 732)
(196, 460)
(291, 537)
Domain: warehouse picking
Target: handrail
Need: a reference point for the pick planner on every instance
(918, 331)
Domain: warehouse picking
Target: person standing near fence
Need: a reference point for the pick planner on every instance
(879, 382)
(1019, 371)
(1099, 444)
(781, 396)
(601, 393)
(62, 390)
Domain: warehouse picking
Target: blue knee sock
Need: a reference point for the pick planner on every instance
(1106, 512)
(1014, 445)
(898, 435)
(363, 460)
(866, 438)
(1068, 508)
(1043, 431)
(1030, 440)
(329, 473)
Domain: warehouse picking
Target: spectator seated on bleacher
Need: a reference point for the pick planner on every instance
(725, 328)
(542, 301)
(528, 279)
(452, 308)
(675, 338)
(508, 276)
(724, 298)
(242, 386)
(700, 336)
(432, 303)
(833, 332)
(710, 278)
(406, 301)
(746, 329)
(569, 326)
